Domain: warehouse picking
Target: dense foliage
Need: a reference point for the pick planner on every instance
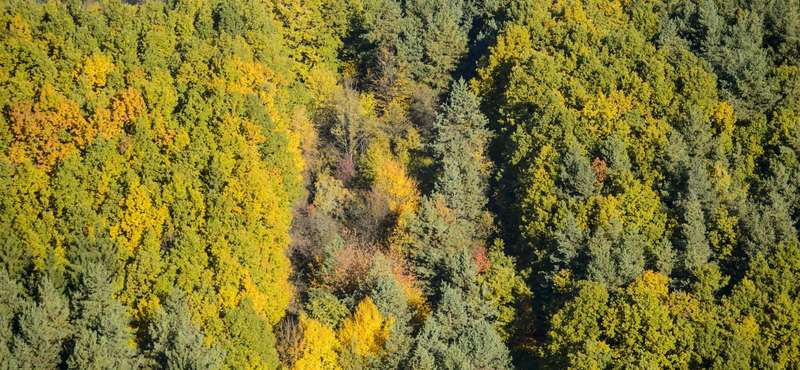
(415, 184)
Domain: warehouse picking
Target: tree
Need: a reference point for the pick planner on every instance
(433, 39)
(570, 248)
(696, 250)
(42, 329)
(320, 350)
(9, 305)
(367, 330)
(252, 343)
(100, 323)
(177, 342)
(456, 336)
(577, 177)
(460, 143)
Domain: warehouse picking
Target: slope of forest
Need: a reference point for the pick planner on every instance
(399, 184)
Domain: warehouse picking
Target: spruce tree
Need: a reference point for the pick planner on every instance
(457, 336)
(433, 40)
(615, 155)
(392, 301)
(630, 257)
(459, 147)
(570, 247)
(10, 303)
(100, 323)
(602, 267)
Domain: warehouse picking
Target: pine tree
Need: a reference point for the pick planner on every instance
(177, 342)
(42, 329)
(10, 303)
(577, 177)
(99, 321)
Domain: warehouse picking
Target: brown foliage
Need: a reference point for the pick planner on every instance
(353, 263)
(599, 167)
(290, 343)
(345, 169)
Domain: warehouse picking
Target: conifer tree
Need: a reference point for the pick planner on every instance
(460, 143)
(42, 329)
(100, 323)
(433, 39)
(615, 155)
(392, 302)
(577, 177)
(252, 343)
(696, 250)
(177, 342)
(9, 305)
(570, 247)
(455, 336)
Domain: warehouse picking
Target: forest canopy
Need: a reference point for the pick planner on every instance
(399, 184)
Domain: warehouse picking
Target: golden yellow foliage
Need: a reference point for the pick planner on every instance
(391, 178)
(137, 216)
(367, 328)
(97, 68)
(320, 349)
(416, 299)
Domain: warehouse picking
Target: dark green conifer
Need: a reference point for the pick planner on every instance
(570, 246)
(695, 247)
(577, 177)
(102, 339)
(10, 303)
(616, 156)
(433, 40)
(459, 146)
(455, 336)
(42, 329)
(177, 342)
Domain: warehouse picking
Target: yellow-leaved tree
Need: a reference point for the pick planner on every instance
(320, 347)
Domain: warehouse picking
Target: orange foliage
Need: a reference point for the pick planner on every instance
(481, 259)
(50, 131)
(126, 106)
(353, 262)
